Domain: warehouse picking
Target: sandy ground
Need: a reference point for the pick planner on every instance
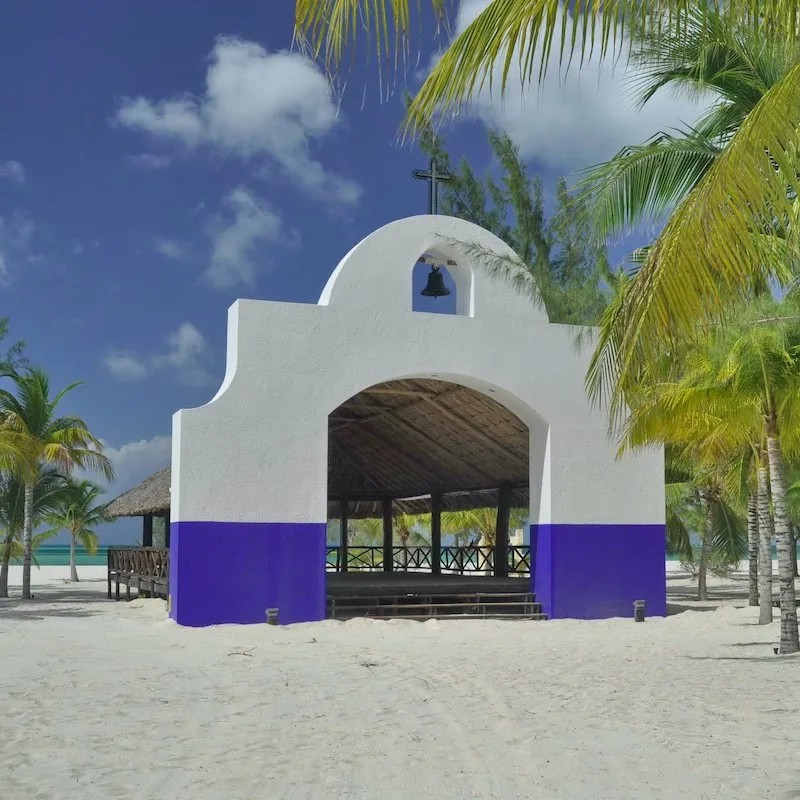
(112, 700)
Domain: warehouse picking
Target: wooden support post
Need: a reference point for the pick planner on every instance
(147, 530)
(166, 528)
(388, 535)
(343, 536)
(504, 498)
(436, 533)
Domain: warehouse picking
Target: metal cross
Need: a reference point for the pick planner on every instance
(434, 178)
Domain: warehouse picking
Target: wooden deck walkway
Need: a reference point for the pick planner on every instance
(410, 595)
(419, 595)
(145, 568)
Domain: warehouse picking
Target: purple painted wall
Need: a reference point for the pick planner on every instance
(597, 571)
(233, 571)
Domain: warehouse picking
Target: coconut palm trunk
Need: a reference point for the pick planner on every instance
(4, 562)
(752, 547)
(764, 547)
(27, 542)
(790, 643)
(705, 550)
(73, 569)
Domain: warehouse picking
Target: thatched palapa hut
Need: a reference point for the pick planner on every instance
(149, 500)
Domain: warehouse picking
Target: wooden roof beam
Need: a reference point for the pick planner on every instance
(478, 432)
(443, 452)
(362, 470)
(412, 463)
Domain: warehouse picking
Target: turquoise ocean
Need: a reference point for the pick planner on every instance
(58, 555)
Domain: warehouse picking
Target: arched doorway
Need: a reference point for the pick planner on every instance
(425, 477)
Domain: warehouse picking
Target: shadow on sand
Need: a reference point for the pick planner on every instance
(680, 608)
(775, 659)
(57, 601)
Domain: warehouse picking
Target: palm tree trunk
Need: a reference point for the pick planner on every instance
(764, 548)
(6, 558)
(795, 540)
(27, 542)
(790, 641)
(705, 550)
(752, 546)
(73, 569)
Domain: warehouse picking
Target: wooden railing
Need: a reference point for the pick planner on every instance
(454, 560)
(146, 568)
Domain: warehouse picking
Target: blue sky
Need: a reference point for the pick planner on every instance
(160, 158)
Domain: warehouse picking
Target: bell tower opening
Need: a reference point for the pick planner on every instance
(436, 286)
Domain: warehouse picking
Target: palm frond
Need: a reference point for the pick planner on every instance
(519, 35)
(730, 533)
(643, 182)
(678, 539)
(325, 28)
(507, 268)
(703, 260)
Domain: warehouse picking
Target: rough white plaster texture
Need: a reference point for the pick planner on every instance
(258, 451)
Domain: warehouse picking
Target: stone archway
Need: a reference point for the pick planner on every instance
(249, 472)
(426, 447)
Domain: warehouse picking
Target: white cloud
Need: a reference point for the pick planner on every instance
(16, 243)
(256, 104)
(243, 222)
(186, 357)
(577, 119)
(13, 171)
(169, 248)
(125, 366)
(135, 461)
(149, 161)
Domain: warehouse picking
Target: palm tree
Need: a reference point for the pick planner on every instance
(697, 498)
(766, 534)
(745, 376)
(730, 233)
(413, 530)
(47, 491)
(762, 368)
(61, 442)
(78, 513)
(481, 522)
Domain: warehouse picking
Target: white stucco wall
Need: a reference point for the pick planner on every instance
(258, 451)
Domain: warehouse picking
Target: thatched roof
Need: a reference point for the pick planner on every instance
(149, 497)
(403, 439)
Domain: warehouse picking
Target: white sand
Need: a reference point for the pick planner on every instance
(112, 700)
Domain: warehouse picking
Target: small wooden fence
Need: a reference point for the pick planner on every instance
(453, 561)
(146, 568)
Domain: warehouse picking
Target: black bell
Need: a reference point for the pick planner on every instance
(435, 286)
